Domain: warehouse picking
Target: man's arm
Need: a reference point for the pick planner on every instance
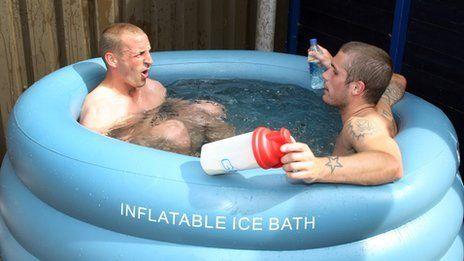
(377, 161)
(393, 93)
(395, 90)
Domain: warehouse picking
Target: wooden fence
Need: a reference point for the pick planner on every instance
(40, 36)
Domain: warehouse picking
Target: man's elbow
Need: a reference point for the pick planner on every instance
(392, 170)
(392, 173)
(399, 79)
(395, 170)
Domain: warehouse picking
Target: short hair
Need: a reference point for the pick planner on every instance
(110, 39)
(369, 64)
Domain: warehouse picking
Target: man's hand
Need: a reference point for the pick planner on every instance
(325, 58)
(300, 162)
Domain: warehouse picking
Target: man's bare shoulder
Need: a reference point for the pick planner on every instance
(100, 97)
(102, 108)
(101, 93)
(370, 133)
(364, 128)
(154, 86)
(154, 94)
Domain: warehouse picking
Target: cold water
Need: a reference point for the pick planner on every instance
(252, 103)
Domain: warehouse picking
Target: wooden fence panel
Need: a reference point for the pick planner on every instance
(41, 33)
(13, 75)
(240, 24)
(204, 24)
(2, 141)
(252, 7)
(165, 24)
(217, 19)
(280, 37)
(139, 13)
(153, 32)
(190, 21)
(229, 24)
(74, 43)
(178, 19)
(103, 14)
(106, 13)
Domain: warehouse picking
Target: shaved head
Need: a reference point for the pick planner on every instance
(110, 39)
(369, 64)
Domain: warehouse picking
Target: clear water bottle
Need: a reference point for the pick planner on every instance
(315, 69)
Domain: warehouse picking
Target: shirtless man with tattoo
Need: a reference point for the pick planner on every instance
(130, 106)
(359, 82)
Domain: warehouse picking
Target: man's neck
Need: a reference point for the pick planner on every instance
(354, 110)
(119, 85)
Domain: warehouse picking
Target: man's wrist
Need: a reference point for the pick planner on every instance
(327, 63)
(318, 170)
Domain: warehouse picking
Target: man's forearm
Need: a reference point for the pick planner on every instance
(365, 168)
(395, 90)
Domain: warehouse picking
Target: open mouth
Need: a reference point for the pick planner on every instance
(145, 73)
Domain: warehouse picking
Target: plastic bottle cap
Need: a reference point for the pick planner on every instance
(266, 146)
(313, 41)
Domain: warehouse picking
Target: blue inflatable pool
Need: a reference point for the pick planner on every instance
(68, 193)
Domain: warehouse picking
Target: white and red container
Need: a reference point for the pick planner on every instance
(259, 148)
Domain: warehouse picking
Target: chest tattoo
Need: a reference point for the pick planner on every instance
(361, 128)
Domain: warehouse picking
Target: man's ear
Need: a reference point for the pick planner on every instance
(110, 59)
(358, 87)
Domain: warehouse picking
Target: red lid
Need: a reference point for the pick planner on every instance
(266, 146)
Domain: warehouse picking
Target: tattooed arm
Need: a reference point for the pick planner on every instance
(393, 93)
(395, 90)
(377, 161)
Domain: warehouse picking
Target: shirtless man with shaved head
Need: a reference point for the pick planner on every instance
(128, 105)
(359, 82)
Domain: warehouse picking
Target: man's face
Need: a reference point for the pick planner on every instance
(134, 59)
(335, 89)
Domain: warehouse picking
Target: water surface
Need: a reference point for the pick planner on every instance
(253, 103)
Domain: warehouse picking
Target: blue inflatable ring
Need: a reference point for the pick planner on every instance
(67, 192)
